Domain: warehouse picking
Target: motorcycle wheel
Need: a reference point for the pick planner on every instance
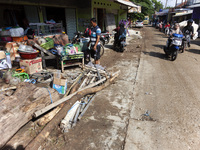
(122, 48)
(102, 42)
(108, 40)
(174, 55)
(165, 50)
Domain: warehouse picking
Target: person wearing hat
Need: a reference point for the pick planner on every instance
(176, 30)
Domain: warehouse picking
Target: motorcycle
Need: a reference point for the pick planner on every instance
(175, 46)
(186, 40)
(105, 38)
(167, 31)
(120, 44)
(77, 36)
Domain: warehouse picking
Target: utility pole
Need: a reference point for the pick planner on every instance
(176, 3)
(166, 4)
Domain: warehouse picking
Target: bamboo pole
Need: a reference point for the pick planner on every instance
(49, 107)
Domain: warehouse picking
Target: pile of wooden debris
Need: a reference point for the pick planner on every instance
(32, 103)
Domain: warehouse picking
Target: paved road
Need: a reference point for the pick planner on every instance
(170, 91)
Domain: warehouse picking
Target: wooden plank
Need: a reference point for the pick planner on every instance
(20, 106)
(50, 57)
(43, 60)
(49, 107)
(40, 48)
(35, 144)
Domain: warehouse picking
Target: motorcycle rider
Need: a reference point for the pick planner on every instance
(121, 31)
(190, 29)
(176, 30)
(167, 26)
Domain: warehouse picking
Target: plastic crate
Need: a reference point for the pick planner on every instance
(48, 45)
(79, 55)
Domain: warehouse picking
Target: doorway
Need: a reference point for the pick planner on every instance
(101, 19)
(57, 14)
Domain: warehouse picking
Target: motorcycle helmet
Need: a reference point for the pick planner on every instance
(190, 21)
(87, 32)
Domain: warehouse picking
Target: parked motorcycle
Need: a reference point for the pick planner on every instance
(105, 37)
(175, 46)
(76, 38)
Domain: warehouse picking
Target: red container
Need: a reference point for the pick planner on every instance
(6, 39)
(25, 55)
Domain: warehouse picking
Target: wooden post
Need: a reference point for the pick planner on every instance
(62, 66)
(43, 60)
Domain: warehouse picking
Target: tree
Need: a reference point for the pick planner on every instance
(149, 6)
(157, 5)
(136, 16)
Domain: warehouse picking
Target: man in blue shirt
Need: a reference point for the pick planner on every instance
(95, 41)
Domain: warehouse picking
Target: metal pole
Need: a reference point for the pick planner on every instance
(176, 3)
(166, 4)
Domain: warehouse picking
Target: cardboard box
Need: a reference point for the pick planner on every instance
(60, 84)
(32, 65)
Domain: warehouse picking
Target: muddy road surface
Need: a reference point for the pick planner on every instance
(169, 91)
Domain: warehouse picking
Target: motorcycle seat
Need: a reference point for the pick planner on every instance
(178, 35)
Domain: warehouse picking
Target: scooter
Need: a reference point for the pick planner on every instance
(120, 44)
(107, 36)
(186, 40)
(77, 35)
(175, 46)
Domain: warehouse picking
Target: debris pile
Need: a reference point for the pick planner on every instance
(45, 105)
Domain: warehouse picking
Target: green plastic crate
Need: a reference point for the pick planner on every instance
(49, 44)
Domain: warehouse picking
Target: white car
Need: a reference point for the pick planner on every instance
(139, 24)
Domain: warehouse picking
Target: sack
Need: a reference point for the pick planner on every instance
(17, 32)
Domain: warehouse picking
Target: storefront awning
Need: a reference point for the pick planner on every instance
(127, 3)
(183, 14)
(193, 6)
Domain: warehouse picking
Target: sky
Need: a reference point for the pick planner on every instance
(170, 3)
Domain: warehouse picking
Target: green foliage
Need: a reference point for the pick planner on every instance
(136, 16)
(149, 6)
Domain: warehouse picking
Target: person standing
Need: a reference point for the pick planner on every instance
(95, 41)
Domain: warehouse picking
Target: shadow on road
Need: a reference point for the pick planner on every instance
(159, 46)
(195, 51)
(108, 46)
(9, 147)
(196, 42)
(156, 54)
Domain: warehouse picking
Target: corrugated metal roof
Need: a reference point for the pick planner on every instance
(127, 3)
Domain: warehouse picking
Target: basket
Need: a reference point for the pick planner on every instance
(25, 55)
(48, 45)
